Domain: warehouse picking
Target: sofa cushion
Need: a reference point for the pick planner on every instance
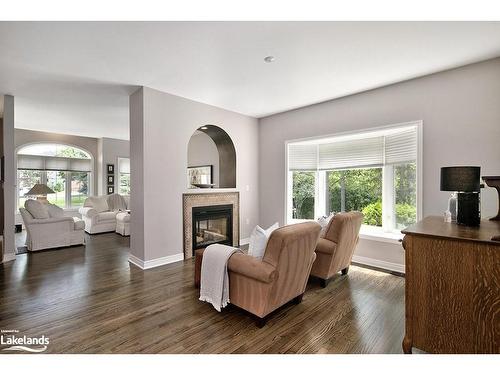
(55, 211)
(258, 240)
(37, 209)
(106, 216)
(100, 204)
(79, 223)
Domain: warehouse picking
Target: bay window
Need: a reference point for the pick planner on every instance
(65, 169)
(374, 172)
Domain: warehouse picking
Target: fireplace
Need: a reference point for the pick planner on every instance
(204, 201)
(212, 224)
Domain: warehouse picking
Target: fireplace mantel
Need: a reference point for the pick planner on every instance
(208, 198)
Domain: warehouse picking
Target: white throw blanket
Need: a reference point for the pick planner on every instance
(116, 202)
(214, 285)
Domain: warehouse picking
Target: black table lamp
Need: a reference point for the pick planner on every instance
(466, 182)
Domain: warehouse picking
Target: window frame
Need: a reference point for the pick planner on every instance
(385, 233)
(90, 174)
(119, 160)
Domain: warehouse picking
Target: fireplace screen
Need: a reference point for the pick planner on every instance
(212, 224)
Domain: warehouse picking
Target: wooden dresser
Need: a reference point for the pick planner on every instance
(452, 287)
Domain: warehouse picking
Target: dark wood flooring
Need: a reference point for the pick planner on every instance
(91, 300)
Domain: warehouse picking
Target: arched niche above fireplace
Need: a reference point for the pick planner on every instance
(211, 159)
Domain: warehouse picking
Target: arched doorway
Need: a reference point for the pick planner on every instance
(211, 159)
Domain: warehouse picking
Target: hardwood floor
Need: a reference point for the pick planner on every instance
(91, 300)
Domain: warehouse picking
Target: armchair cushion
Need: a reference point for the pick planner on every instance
(325, 246)
(55, 211)
(87, 211)
(106, 216)
(324, 222)
(251, 267)
(79, 223)
(100, 204)
(258, 240)
(37, 209)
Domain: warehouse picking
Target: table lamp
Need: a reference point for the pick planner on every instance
(465, 181)
(40, 191)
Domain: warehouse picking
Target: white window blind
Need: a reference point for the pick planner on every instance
(381, 148)
(401, 147)
(302, 157)
(53, 163)
(367, 152)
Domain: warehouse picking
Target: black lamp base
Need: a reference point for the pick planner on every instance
(468, 209)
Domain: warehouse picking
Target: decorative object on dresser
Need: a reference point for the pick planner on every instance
(494, 182)
(452, 299)
(466, 182)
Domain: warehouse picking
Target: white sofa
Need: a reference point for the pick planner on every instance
(99, 213)
(52, 232)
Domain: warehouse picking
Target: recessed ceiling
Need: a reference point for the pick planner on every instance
(75, 77)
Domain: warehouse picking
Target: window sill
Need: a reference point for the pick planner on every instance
(376, 234)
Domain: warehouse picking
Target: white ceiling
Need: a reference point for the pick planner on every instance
(75, 77)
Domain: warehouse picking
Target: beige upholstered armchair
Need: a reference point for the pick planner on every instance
(52, 232)
(262, 286)
(334, 251)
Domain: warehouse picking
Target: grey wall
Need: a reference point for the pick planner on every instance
(160, 128)
(109, 151)
(23, 137)
(460, 109)
(9, 184)
(203, 151)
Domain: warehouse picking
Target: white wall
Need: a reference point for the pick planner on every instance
(203, 151)
(160, 128)
(461, 126)
(110, 150)
(9, 184)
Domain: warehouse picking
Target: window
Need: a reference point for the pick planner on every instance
(124, 176)
(374, 172)
(65, 169)
(303, 195)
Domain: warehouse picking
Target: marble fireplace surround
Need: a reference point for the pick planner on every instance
(190, 200)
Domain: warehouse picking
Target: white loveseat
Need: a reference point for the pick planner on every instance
(52, 231)
(99, 213)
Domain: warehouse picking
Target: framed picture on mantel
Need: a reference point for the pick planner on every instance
(200, 176)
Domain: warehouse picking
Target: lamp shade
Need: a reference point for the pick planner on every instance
(461, 179)
(40, 189)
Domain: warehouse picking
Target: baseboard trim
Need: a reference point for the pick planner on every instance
(9, 257)
(379, 263)
(145, 265)
(245, 241)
